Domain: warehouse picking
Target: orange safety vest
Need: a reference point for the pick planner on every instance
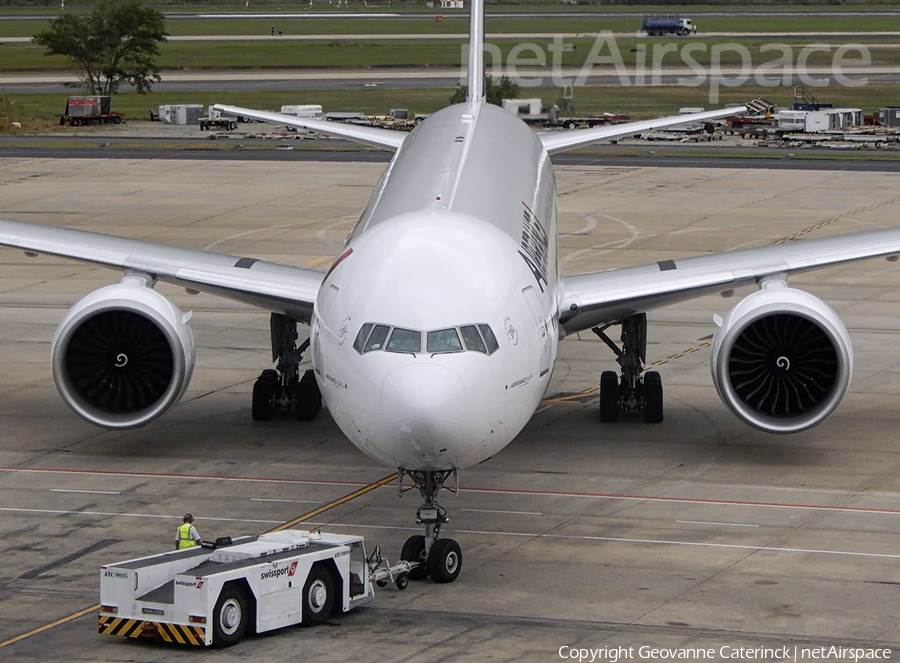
(185, 540)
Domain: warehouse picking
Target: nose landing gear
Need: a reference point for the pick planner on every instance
(439, 558)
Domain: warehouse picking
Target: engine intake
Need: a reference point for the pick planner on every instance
(123, 355)
(782, 360)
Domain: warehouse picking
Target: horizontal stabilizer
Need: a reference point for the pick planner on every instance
(561, 141)
(386, 138)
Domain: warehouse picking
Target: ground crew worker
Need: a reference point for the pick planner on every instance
(187, 535)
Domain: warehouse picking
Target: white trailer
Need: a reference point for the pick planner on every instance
(217, 593)
(825, 119)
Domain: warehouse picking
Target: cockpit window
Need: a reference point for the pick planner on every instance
(404, 340)
(444, 340)
(489, 338)
(376, 338)
(472, 338)
(361, 337)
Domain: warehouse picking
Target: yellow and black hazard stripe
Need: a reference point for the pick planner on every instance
(136, 628)
(129, 628)
(183, 635)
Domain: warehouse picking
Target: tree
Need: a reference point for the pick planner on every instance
(116, 44)
(494, 94)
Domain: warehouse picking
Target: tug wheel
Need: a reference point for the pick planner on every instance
(318, 595)
(230, 616)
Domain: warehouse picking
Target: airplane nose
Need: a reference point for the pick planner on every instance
(424, 401)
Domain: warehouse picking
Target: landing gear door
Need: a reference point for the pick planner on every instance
(540, 319)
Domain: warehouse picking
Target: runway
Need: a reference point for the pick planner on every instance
(389, 78)
(430, 16)
(698, 532)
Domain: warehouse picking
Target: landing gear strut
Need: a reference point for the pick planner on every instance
(633, 391)
(439, 558)
(282, 389)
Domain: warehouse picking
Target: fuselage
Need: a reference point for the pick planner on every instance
(435, 333)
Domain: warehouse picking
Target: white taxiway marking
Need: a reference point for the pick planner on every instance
(89, 492)
(263, 499)
(523, 513)
(700, 544)
(704, 522)
(608, 539)
(209, 247)
(133, 515)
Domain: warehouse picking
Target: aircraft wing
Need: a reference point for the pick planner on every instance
(560, 141)
(385, 138)
(601, 297)
(279, 288)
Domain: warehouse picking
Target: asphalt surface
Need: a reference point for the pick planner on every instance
(430, 16)
(755, 159)
(385, 79)
(697, 532)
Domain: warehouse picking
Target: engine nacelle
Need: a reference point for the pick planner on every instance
(123, 355)
(782, 359)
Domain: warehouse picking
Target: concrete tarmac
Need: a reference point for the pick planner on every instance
(696, 533)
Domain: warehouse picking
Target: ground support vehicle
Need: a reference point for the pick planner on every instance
(209, 123)
(580, 122)
(87, 110)
(217, 593)
(658, 25)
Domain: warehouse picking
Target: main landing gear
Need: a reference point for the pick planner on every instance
(282, 389)
(439, 558)
(633, 391)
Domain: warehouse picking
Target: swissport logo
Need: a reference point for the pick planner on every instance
(278, 572)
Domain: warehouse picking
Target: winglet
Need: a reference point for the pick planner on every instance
(475, 81)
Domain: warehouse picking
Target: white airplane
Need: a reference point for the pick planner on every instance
(434, 334)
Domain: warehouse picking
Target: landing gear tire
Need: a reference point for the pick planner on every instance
(230, 616)
(318, 595)
(263, 394)
(653, 398)
(414, 551)
(609, 397)
(445, 561)
(309, 400)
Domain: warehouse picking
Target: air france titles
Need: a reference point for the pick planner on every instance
(535, 246)
(614, 654)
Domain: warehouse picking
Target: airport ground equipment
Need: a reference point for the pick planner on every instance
(658, 25)
(218, 592)
(216, 120)
(889, 116)
(87, 110)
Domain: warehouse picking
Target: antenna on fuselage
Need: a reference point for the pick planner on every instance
(476, 52)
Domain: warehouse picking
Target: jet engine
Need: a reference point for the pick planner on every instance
(123, 355)
(782, 359)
